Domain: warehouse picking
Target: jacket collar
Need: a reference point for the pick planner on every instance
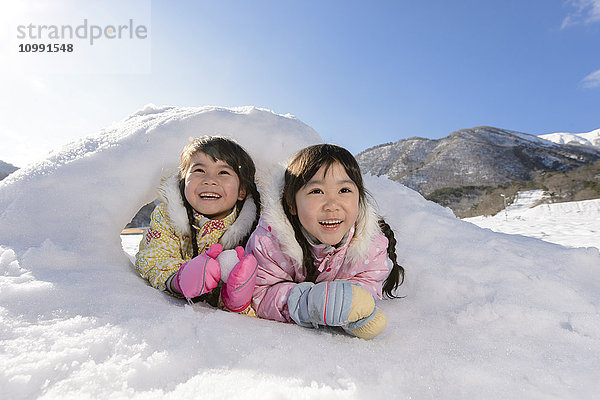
(323, 253)
(365, 229)
(168, 193)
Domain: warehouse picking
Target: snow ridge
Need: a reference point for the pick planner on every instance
(590, 139)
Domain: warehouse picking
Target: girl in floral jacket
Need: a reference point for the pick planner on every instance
(323, 253)
(210, 205)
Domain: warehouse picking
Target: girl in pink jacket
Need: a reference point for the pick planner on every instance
(323, 253)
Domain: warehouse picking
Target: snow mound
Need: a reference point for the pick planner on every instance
(486, 315)
(85, 193)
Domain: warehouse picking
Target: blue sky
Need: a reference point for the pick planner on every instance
(360, 73)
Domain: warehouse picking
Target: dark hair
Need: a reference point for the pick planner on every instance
(396, 275)
(227, 150)
(301, 168)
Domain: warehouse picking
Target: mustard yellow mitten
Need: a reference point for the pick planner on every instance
(365, 320)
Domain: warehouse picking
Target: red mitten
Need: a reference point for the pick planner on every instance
(199, 275)
(236, 293)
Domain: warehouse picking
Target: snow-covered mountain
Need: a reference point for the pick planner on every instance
(481, 156)
(486, 315)
(591, 139)
(6, 169)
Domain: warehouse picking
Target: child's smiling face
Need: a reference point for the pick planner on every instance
(212, 187)
(327, 206)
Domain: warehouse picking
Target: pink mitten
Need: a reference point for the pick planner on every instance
(236, 293)
(199, 275)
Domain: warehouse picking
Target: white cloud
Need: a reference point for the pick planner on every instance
(592, 80)
(586, 12)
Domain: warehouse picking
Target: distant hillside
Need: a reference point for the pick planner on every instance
(6, 169)
(469, 201)
(142, 218)
(458, 170)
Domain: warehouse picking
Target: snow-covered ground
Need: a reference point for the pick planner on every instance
(573, 224)
(486, 315)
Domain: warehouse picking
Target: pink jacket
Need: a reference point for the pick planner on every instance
(361, 259)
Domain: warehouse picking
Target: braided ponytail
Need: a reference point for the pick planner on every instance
(253, 191)
(190, 214)
(396, 276)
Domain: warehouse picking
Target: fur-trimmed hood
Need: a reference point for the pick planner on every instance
(168, 193)
(366, 228)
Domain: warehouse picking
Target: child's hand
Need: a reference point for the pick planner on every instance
(236, 293)
(336, 303)
(199, 275)
(365, 320)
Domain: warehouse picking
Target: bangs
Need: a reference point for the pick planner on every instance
(219, 149)
(307, 162)
(220, 153)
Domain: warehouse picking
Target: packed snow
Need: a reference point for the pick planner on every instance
(486, 314)
(572, 224)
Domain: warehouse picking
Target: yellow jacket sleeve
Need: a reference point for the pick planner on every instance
(161, 251)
